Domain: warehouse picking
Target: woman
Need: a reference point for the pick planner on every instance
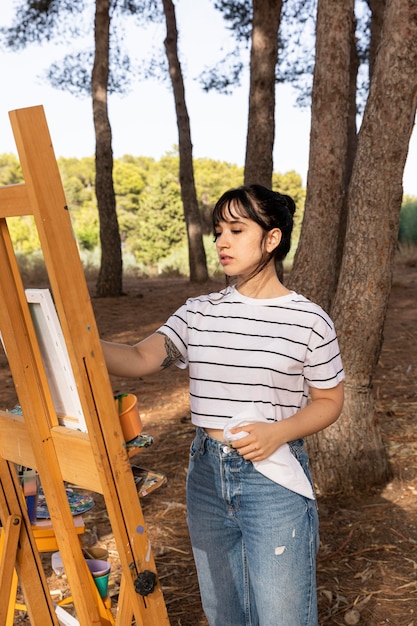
(256, 352)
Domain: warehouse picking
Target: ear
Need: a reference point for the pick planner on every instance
(273, 239)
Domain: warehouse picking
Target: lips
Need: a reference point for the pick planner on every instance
(225, 260)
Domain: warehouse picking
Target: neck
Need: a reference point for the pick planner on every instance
(264, 285)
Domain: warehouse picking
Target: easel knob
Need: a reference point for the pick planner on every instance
(145, 583)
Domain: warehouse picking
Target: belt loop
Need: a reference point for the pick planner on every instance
(203, 438)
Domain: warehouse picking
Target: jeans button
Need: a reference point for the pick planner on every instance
(226, 449)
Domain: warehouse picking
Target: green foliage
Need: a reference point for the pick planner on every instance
(32, 268)
(10, 170)
(150, 229)
(176, 263)
(78, 179)
(130, 175)
(149, 209)
(408, 221)
(24, 234)
(291, 184)
(212, 178)
(22, 229)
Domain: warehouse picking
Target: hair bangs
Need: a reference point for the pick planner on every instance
(232, 205)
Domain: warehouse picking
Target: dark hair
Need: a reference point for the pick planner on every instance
(270, 209)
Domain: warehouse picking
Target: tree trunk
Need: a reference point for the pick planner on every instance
(315, 268)
(261, 119)
(197, 255)
(352, 143)
(374, 202)
(377, 8)
(110, 276)
(351, 445)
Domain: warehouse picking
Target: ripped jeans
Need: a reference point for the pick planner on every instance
(254, 542)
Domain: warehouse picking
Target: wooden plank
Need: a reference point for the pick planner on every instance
(124, 613)
(15, 442)
(78, 468)
(14, 201)
(7, 563)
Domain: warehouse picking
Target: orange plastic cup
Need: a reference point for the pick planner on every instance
(127, 406)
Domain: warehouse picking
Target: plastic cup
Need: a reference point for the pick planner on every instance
(102, 584)
(57, 564)
(99, 554)
(100, 571)
(127, 406)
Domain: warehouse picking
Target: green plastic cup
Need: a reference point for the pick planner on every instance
(100, 570)
(102, 584)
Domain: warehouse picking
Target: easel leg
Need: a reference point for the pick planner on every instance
(8, 579)
(12, 602)
(21, 553)
(124, 611)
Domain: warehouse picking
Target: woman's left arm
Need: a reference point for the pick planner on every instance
(264, 438)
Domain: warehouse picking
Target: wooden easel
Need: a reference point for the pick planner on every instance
(96, 460)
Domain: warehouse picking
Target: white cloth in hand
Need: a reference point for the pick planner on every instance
(281, 466)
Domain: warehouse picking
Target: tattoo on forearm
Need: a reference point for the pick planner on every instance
(173, 354)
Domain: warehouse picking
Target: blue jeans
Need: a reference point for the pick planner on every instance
(254, 542)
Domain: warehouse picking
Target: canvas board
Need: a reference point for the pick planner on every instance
(55, 359)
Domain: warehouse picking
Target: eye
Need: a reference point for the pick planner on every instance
(216, 235)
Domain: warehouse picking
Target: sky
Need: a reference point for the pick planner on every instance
(143, 122)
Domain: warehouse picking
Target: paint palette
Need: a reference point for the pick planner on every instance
(147, 481)
(79, 503)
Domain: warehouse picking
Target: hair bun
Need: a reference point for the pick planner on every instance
(289, 202)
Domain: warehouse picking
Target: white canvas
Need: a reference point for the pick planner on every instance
(55, 358)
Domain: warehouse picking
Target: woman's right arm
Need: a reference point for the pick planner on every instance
(149, 356)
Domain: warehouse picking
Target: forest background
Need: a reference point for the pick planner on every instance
(363, 106)
(150, 213)
(149, 207)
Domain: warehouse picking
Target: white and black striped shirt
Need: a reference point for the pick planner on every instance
(241, 350)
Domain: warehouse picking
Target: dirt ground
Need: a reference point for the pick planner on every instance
(367, 565)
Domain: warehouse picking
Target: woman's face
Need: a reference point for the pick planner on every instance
(239, 245)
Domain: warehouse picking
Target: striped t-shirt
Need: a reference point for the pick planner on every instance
(241, 350)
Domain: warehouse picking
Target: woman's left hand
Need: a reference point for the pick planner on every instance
(260, 443)
(265, 437)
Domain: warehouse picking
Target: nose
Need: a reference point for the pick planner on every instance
(222, 240)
